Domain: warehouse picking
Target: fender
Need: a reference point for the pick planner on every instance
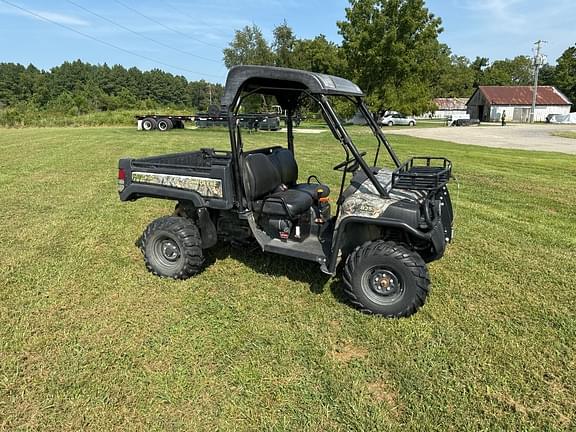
(383, 222)
(134, 191)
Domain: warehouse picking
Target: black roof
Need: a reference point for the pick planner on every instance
(274, 80)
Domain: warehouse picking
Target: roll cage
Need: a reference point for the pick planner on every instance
(290, 86)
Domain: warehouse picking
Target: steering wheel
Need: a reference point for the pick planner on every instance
(350, 168)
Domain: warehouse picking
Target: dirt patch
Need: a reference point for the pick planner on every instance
(382, 392)
(346, 351)
(516, 136)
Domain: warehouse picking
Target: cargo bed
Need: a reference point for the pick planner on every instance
(203, 177)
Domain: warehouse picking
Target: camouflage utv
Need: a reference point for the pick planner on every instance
(388, 222)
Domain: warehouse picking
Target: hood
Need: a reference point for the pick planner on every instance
(362, 199)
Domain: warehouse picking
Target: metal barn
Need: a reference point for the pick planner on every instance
(448, 107)
(488, 103)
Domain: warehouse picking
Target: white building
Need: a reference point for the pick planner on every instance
(489, 102)
(448, 107)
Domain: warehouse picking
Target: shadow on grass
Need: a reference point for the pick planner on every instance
(294, 269)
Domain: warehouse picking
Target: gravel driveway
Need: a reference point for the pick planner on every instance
(525, 137)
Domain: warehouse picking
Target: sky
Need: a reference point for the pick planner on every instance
(187, 37)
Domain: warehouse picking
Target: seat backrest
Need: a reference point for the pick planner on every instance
(260, 176)
(283, 160)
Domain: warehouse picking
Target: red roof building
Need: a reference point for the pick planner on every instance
(489, 103)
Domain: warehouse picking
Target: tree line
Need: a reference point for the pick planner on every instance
(78, 88)
(391, 49)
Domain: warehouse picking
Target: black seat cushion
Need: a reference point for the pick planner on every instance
(284, 161)
(289, 203)
(260, 176)
(315, 190)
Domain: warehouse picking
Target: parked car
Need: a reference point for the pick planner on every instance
(561, 118)
(397, 120)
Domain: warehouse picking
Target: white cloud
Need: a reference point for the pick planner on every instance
(61, 18)
(48, 15)
(506, 16)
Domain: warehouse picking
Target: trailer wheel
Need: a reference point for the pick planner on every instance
(149, 124)
(165, 124)
(172, 247)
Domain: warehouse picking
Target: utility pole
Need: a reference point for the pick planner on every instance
(539, 60)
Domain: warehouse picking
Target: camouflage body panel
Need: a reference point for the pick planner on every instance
(207, 187)
(366, 202)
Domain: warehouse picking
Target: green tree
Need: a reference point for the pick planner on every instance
(77, 87)
(393, 51)
(565, 73)
(319, 55)
(478, 67)
(457, 77)
(248, 47)
(283, 45)
(547, 75)
(516, 71)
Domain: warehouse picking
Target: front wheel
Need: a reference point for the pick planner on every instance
(149, 124)
(384, 278)
(172, 248)
(390, 123)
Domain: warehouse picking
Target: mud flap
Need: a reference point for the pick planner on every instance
(439, 240)
(207, 228)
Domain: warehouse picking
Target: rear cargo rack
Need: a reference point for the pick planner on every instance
(422, 173)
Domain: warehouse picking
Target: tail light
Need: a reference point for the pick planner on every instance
(121, 178)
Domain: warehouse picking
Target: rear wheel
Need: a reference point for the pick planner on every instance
(411, 124)
(172, 247)
(165, 124)
(149, 124)
(385, 278)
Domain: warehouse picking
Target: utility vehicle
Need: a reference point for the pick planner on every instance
(387, 224)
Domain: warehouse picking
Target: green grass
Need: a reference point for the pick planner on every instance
(91, 341)
(567, 134)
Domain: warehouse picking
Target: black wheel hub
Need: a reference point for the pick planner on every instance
(167, 252)
(170, 250)
(382, 285)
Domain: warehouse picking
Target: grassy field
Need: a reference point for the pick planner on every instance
(567, 134)
(90, 341)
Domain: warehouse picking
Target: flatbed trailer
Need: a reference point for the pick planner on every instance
(163, 123)
(251, 121)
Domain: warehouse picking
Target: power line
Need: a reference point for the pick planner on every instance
(34, 14)
(160, 23)
(140, 34)
(171, 5)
